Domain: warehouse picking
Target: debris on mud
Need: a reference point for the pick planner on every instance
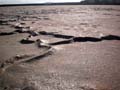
(26, 41)
(42, 43)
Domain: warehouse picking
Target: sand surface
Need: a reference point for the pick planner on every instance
(80, 47)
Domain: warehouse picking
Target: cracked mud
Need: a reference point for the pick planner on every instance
(59, 48)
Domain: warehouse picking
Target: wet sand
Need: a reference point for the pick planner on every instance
(60, 47)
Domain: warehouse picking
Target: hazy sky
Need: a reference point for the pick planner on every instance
(34, 1)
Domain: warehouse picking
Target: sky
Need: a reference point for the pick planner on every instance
(34, 1)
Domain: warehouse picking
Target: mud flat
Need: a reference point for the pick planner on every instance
(60, 47)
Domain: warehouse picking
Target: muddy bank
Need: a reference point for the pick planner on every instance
(59, 48)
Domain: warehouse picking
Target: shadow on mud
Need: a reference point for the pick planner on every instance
(87, 39)
(6, 33)
(70, 39)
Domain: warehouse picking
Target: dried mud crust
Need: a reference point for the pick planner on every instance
(22, 25)
(50, 50)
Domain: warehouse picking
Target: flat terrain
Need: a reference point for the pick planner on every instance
(79, 48)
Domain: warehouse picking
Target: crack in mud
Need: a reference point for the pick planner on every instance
(69, 37)
(23, 28)
(56, 35)
(23, 59)
(12, 61)
(75, 39)
(49, 46)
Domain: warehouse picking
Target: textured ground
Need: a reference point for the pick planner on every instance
(86, 56)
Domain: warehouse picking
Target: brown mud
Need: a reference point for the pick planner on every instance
(60, 47)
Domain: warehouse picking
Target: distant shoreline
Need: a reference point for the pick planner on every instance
(52, 4)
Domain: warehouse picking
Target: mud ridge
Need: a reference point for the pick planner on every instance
(38, 57)
(70, 38)
(87, 39)
(63, 42)
(6, 33)
(81, 39)
(56, 35)
(14, 60)
(110, 37)
(23, 59)
(33, 33)
(78, 39)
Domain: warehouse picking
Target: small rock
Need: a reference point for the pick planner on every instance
(18, 57)
(26, 41)
(33, 33)
(21, 56)
(22, 23)
(42, 43)
(2, 65)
